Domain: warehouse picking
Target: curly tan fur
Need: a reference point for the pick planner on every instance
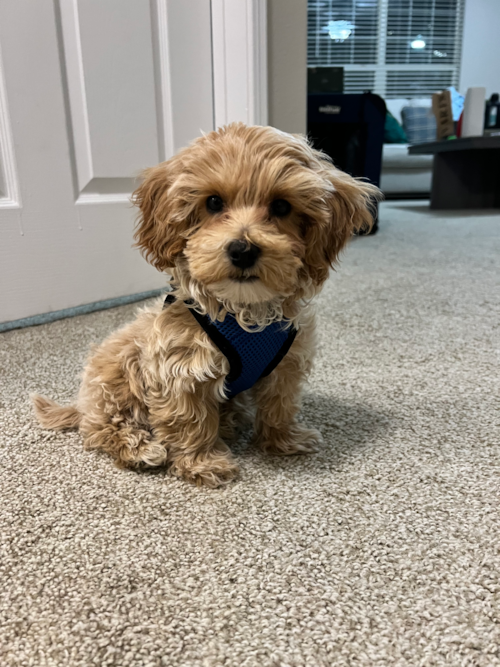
(153, 393)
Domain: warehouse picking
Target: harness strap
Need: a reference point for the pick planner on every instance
(228, 349)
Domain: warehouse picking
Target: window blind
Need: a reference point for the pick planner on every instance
(395, 48)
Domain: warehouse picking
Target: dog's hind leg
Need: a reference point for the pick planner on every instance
(234, 415)
(131, 445)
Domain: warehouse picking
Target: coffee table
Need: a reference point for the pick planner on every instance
(466, 172)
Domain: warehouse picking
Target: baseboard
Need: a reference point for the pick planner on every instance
(45, 318)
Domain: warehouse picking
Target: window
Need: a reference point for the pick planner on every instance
(396, 48)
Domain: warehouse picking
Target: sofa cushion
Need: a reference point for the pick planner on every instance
(393, 132)
(393, 183)
(396, 104)
(395, 157)
(419, 124)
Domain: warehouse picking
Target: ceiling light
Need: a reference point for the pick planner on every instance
(418, 43)
(339, 30)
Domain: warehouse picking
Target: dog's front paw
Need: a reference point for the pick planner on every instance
(210, 468)
(293, 439)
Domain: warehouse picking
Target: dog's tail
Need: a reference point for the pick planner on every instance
(52, 415)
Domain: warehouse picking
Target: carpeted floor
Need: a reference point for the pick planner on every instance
(382, 549)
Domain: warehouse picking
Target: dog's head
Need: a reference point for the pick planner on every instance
(249, 215)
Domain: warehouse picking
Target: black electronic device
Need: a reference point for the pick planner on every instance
(350, 129)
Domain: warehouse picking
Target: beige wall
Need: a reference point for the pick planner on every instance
(480, 46)
(287, 64)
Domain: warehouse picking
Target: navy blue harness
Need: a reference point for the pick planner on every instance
(251, 355)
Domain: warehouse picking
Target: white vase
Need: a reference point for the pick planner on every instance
(473, 118)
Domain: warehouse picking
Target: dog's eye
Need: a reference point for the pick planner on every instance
(215, 204)
(280, 208)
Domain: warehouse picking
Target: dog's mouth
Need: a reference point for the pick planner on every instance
(242, 287)
(246, 279)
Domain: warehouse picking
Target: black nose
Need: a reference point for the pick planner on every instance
(243, 255)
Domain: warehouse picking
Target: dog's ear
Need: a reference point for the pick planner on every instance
(158, 232)
(349, 205)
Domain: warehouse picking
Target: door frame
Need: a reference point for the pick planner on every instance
(239, 49)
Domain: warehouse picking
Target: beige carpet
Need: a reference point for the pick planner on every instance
(383, 549)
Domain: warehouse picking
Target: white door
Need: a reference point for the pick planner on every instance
(91, 92)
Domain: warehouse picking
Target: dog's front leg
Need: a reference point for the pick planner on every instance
(188, 426)
(277, 399)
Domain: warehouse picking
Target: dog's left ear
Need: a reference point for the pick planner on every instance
(349, 206)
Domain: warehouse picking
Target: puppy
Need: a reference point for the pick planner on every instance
(247, 221)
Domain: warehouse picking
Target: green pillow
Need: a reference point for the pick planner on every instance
(393, 132)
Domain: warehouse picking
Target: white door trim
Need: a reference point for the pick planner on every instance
(239, 47)
(10, 196)
(165, 83)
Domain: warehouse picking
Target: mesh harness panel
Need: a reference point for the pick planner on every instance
(251, 355)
